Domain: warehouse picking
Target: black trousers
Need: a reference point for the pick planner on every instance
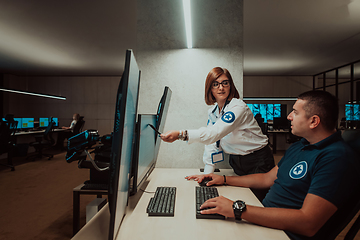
(260, 161)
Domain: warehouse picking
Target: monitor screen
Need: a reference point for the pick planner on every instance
(56, 121)
(352, 112)
(348, 112)
(122, 142)
(27, 123)
(162, 111)
(144, 151)
(18, 120)
(268, 111)
(43, 122)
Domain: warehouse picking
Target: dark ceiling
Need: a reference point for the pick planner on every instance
(90, 37)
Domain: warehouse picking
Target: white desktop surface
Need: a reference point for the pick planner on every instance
(37, 131)
(184, 225)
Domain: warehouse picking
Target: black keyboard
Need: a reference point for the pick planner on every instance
(203, 194)
(95, 186)
(163, 202)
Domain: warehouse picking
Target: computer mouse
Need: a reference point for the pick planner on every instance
(204, 182)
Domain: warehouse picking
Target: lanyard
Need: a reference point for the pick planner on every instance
(222, 113)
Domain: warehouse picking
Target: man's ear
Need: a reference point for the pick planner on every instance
(314, 121)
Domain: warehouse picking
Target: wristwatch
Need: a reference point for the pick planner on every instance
(239, 207)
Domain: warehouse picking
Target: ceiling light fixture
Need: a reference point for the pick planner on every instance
(187, 16)
(32, 93)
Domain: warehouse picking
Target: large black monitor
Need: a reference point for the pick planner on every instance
(144, 160)
(122, 142)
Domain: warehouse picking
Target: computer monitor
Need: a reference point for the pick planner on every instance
(27, 123)
(43, 122)
(281, 123)
(122, 142)
(18, 120)
(144, 160)
(268, 111)
(162, 111)
(56, 121)
(352, 112)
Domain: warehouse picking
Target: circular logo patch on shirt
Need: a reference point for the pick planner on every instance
(228, 117)
(299, 170)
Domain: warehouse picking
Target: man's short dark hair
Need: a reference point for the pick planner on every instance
(323, 104)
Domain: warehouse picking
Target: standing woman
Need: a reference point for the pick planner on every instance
(231, 128)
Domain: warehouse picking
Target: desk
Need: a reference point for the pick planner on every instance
(184, 224)
(21, 133)
(76, 203)
(274, 133)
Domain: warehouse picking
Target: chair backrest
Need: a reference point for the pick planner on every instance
(352, 138)
(262, 125)
(78, 126)
(5, 136)
(48, 131)
(343, 216)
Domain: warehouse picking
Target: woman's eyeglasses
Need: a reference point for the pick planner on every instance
(225, 83)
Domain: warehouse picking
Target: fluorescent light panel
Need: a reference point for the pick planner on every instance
(187, 16)
(32, 94)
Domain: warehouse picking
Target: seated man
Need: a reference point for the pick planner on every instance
(312, 181)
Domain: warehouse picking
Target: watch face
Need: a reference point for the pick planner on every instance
(240, 205)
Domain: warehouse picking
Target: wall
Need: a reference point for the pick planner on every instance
(277, 86)
(91, 97)
(165, 61)
(184, 71)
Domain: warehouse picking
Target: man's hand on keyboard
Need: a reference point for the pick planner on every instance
(220, 205)
(214, 179)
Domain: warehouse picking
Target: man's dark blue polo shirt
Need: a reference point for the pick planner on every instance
(327, 169)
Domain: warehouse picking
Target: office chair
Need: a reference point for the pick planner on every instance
(343, 216)
(7, 144)
(262, 125)
(43, 141)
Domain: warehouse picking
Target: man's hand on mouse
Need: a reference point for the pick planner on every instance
(214, 179)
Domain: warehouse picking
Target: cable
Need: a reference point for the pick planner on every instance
(94, 164)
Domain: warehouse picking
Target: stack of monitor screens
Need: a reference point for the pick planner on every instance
(122, 142)
(352, 112)
(143, 161)
(147, 142)
(29, 123)
(134, 143)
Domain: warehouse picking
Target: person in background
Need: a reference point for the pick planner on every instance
(231, 128)
(313, 180)
(76, 117)
(67, 134)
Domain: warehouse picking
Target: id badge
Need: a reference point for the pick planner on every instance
(217, 157)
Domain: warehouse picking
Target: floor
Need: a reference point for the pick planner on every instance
(36, 198)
